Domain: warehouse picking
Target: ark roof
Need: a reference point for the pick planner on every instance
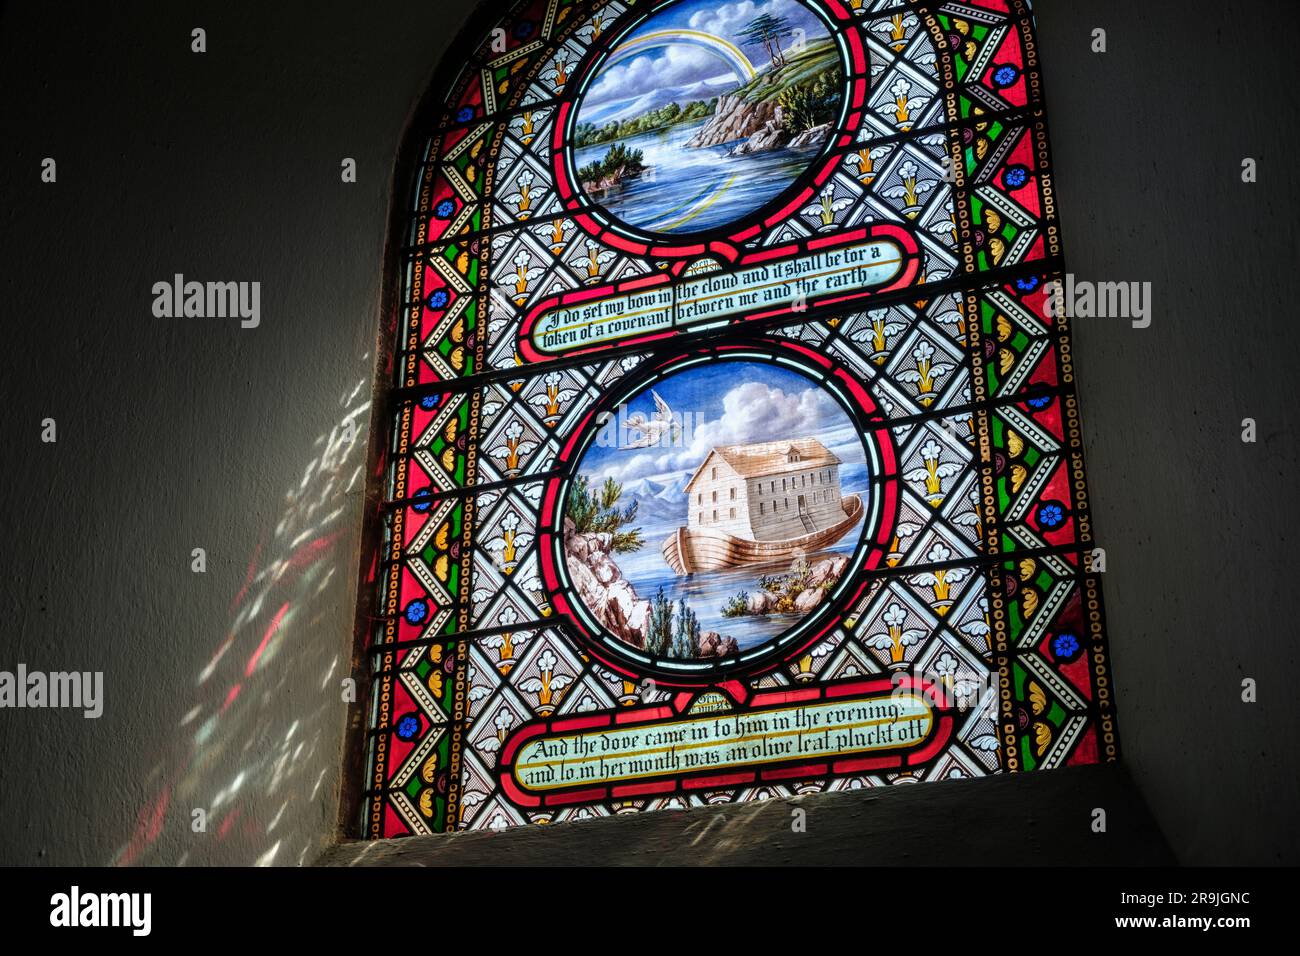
(761, 459)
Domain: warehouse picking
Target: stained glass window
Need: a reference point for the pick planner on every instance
(735, 450)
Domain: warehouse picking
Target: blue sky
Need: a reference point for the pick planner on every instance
(680, 65)
(729, 403)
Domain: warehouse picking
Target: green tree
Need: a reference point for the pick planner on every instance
(769, 31)
(596, 511)
(686, 636)
(737, 605)
(619, 161)
(659, 630)
(810, 103)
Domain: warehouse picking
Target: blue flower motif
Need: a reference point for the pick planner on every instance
(1005, 75)
(523, 29)
(464, 114)
(439, 299)
(1014, 177)
(1051, 515)
(416, 611)
(423, 501)
(1028, 284)
(1039, 401)
(1065, 646)
(444, 209)
(429, 402)
(408, 727)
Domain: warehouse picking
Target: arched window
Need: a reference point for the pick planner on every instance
(801, 235)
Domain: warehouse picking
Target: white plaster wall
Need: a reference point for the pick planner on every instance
(222, 689)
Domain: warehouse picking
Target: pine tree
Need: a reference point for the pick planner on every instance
(659, 630)
(769, 31)
(596, 510)
(686, 640)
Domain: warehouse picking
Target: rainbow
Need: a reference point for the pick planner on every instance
(729, 53)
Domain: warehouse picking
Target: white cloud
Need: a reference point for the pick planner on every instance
(727, 19)
(664, 68)
(683, 65)
(752, 412)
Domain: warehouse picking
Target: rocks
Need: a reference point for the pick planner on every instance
(604, 590)
(768, 138)
(612, 180)
(805, 601)
(759, 124)
(604, 570)
(801, 589)
(612, 599)
(811, 137)
(735, 118)
(829, 570)
(624, 613)
(713, 644)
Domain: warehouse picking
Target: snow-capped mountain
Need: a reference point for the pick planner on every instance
(657, 501)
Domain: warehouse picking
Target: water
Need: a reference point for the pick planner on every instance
(692, 190)
(708, 592)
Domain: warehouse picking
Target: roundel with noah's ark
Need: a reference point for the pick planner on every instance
(735, 450)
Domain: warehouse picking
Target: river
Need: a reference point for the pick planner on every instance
(691, 190)
(708, 592)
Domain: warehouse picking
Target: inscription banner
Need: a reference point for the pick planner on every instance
(769, 283)
(864, 726)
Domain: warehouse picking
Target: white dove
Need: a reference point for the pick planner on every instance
(654, 430)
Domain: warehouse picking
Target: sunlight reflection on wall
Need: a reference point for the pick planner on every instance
(234, 756)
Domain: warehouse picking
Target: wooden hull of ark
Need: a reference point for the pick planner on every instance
(689, 551)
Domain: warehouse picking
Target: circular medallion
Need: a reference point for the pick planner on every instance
(702, 113)
(716, 510)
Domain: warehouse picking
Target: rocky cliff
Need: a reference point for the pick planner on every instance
(759, 125)
(735, 118)
(612, 599)
(602, 587)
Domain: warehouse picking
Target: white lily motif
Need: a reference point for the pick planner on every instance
(592, 262)
(933, 471)
(896, 28)
(940, 581)
(503, 643)
(826, 207)
(522, 198)
(553, 397)
(947, 228)
(863, 162)
(881, 330)
(503, 721)
(804, 672)
(926, 374)
(555, 233)
(902, 531)
(524, 275)
(979, 628)
(593, 28)
(547, 684)
(894, 639)
(509, 542)
(911, 190)
(558, 72)
(905, 103)
(525, 126)
(512, 447)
